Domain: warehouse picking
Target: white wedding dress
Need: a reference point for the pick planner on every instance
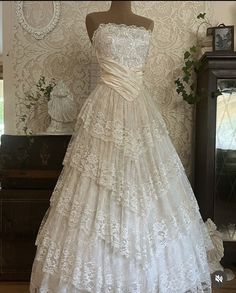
(122, 217)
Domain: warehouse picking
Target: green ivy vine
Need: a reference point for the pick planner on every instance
(186, 84)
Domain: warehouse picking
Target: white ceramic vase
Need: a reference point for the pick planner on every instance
(62, 109)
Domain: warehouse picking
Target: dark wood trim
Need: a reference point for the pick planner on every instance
(36, 174)
(215, 65)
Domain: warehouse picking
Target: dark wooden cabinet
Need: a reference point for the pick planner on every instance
(21, 214)
(215, 161)
(30, 167)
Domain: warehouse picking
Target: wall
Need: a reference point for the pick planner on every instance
(0, 31)
(225, 12)
(8, 77)
(66, 54)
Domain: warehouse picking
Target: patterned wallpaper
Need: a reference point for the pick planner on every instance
(66, 54)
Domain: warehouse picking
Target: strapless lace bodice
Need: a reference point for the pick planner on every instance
(121, 52)
(128, 45)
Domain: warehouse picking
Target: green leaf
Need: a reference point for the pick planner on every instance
(193, 49)
(188, 73)
(177, 81)
(186, 55)
(186, 78)
(185, 70)
(201, 15)
(189, 64)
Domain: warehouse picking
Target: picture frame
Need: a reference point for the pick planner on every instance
(38, 32)
(223, 37)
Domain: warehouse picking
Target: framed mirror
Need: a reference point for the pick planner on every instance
(225, 159)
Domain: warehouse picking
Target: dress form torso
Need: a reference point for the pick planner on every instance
(120, 13)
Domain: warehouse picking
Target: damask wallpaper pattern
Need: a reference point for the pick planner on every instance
(66, 54)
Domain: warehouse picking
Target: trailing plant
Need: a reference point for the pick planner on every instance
(186, 84)
(40, 92)
(43, 89)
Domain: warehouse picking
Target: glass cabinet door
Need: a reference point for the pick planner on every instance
(225, 159)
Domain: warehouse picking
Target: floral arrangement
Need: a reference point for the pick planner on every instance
(40, 92)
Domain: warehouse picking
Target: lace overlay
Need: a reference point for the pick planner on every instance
(129, 47)
(122, 217)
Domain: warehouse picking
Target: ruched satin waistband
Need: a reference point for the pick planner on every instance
(127, 82)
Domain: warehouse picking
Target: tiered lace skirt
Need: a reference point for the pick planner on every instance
(122, 217)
